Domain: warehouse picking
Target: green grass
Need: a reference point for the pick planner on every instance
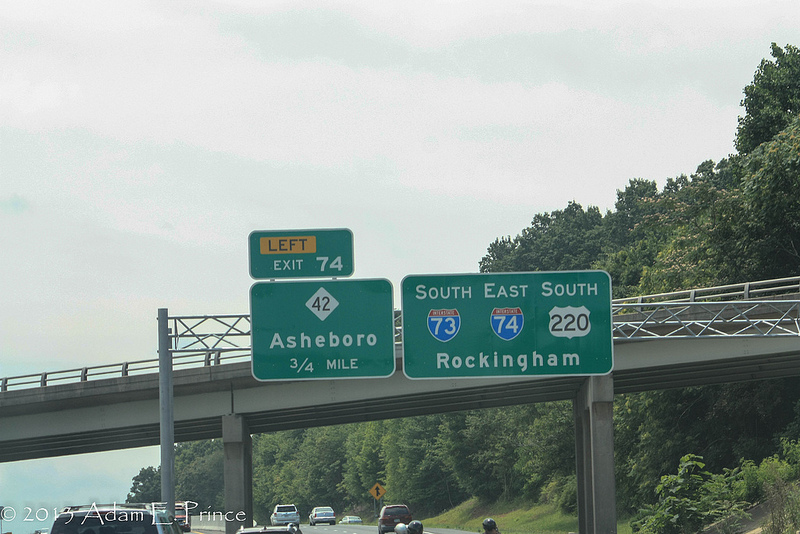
(512, 518)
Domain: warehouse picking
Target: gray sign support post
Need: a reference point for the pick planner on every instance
(594, 455)
(167, 417)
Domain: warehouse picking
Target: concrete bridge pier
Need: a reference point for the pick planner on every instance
(238, 473)
(594, 456)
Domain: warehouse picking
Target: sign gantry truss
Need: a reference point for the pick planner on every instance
(222, 334)
(706, 319)
(210, 333)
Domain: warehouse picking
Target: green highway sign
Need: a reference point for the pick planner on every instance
(324, 253)
(507, 324)
(305, 330)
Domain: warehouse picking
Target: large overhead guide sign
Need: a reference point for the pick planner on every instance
(507, 325)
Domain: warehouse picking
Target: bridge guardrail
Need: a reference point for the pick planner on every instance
(744, 291)
(205, 340)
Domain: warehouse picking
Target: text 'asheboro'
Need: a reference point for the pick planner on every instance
(305, 330)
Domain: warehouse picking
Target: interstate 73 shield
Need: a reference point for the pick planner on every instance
(444, 324)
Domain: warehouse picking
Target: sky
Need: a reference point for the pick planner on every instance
(142, 142)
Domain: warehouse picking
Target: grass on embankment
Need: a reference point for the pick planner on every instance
(512, 518)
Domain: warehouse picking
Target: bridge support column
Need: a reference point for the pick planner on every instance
(594, 448)
(238, 473)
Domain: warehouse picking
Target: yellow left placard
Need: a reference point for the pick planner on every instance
(302, 244)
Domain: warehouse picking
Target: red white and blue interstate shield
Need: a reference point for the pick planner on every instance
(507, 323)
(444, 324)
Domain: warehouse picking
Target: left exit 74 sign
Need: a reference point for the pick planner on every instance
(301, 253)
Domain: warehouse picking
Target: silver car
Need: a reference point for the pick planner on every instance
(322, 514)
(284, 514)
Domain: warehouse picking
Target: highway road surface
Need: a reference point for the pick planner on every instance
(342, 529)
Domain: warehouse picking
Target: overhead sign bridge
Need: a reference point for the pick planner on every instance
(660, 341)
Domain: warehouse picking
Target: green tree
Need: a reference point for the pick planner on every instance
(652, 430)
(678, 509)
(567, 239)
(633, 238)
(415, 474)
(633, 206)
(771, 192)
(683, 227)
(481, 449)
(696, 232)
(320, 462)
(772, 100)
(364, 463)
(146, 486)
(199, 475)
(694, 498)
(546, 446)
(275, 471)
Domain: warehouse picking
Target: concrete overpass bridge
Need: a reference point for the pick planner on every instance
(705, 336)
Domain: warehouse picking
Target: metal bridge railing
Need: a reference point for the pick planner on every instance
(202, 341)
(745, 291)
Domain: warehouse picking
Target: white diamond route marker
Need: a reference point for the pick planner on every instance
(322, 304)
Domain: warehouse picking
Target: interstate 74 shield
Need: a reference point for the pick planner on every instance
(507, 323)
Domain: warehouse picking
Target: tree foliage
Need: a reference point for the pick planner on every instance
(557, 241)
(772, 101)
(771, 197)
(146, 486)
(693, 498)
(199, 474)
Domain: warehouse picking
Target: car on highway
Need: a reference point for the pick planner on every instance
(391, 515)
(350, 520)
(322, 514)
(114, 519)
(283, 514)
(182, 515)
(291, 528)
